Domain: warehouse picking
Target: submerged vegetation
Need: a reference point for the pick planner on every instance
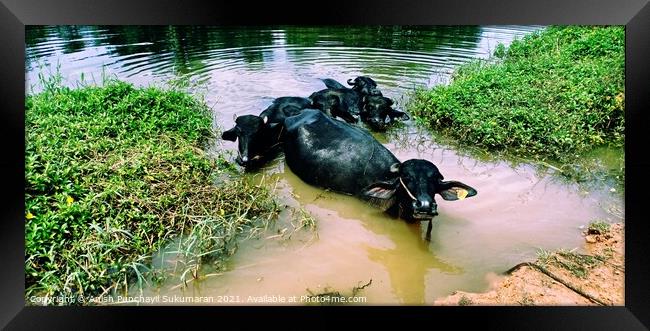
(551, 97)
(114, 172)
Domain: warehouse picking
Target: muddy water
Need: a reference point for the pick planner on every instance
(517, 211)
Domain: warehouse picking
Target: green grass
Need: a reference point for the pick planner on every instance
(544, 257)
(114, 172)
(577, 264)
(550, 97)
(598, 227)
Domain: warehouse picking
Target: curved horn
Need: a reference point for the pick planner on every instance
(351, 82)
(234, 117)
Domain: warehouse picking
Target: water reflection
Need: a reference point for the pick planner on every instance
(183, 50)
(399, 247)
(409, 262)
(192, 43)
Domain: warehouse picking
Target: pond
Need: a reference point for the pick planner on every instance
(518, 211)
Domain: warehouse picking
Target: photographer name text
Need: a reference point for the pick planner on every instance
(178, 299)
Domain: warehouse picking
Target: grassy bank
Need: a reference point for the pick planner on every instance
(114, 172)
(552, 96)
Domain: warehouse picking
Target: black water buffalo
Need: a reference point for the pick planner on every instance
(344, 103)
(364, 85)
(260, 136)
(375, 109)
(346, 159)
(378, 113)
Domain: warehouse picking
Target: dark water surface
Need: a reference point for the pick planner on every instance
(241, 70)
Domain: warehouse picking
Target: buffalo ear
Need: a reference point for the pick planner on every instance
(381, 190)
(453, 190)
(229, 135)
(390, 102)
(381, 194)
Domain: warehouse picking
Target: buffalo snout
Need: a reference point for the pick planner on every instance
(242, 160)
(424, 207)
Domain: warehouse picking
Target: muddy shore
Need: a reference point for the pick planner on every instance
(564, 278)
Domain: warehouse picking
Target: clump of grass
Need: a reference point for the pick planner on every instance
(551, 97)
(113, 172)
(598, 227)
(577, 264)
(304, 220)
(215, 236)
(544, 257)
(465, 301)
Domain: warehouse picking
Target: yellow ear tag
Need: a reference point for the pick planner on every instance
(461, 193)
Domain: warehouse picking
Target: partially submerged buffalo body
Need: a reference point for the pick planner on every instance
(344, 158)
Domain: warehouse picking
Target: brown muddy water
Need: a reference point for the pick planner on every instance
(518, 211)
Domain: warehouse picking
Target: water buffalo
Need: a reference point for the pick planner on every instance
(375, 110)
(259, 137)
(344, 103)
(378, 113)
(335, 155)
(365, 86)
(284, 107)
(340, 101)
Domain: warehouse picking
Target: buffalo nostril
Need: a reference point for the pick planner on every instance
(434, 210)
